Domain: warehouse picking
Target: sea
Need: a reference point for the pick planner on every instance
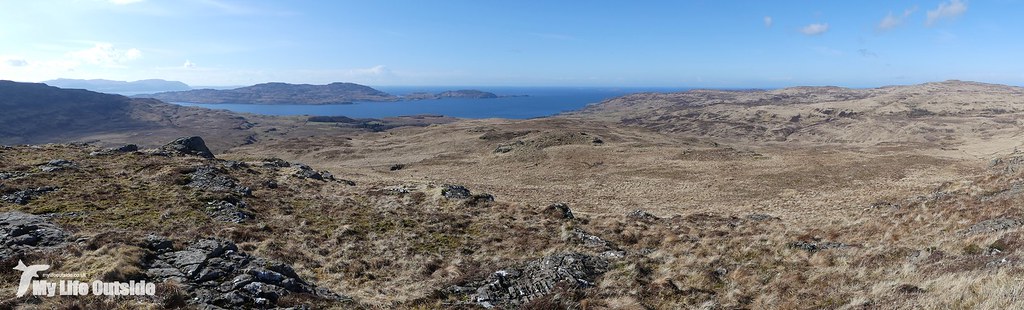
(514, 103)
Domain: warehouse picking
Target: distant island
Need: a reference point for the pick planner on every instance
(284, 93)
(464, 93)
(279, 93)
(120, 87)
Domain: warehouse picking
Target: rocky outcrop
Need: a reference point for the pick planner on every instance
(517, 285)
(127, 148)
(460, 192)
(212, 179)
(993, 225)
(57, 165)
(188, 146)
(559, 211)
(218, 275)
(25, 196)
(22, 232)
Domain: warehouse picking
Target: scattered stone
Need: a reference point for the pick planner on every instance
(215, 180)
(814, 246)
(127, 148)
(455, 191)
(57, 165)
(397, 167)
(25, 196)
(231, 164)
(276, 162)
(271, 184)
(218, 275)
(559, 211)
(11, 175)
(993, 225)
(641, 215)
(229, 210)
(514, 286)
(188, 146)
(21, 232)
(305, 172)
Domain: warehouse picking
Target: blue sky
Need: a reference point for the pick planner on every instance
(515, 43)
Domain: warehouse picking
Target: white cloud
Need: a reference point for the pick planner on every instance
(892, 21)
(768, 21)
(106, 55)
(946, 10)
(123, 2)
(188, 64)
(375, 71)
(814, 29)
(16, 62)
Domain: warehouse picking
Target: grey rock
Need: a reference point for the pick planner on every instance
(23, 232)
(57, 165)
(559, 211)
(194, 146)
(455, 192)
(213, 179)
(306, 172)
(219, 276)
(993, 225)
(814, 246)
(26, 196)
(641, 215)
(516, 285)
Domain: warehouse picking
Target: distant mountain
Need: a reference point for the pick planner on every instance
(120, 87)
(37, 113)
(279, 93)
(465, 93)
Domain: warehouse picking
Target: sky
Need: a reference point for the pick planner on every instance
(515, 43)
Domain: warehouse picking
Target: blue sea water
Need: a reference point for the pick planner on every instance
(521, 103)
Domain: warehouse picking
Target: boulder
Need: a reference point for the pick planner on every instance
(516, 285)
(188, 146)
(56, 165)
(212, 179)
(218, 275)
(25, 196)
(455, 191)
(22, 232)
(559, 211)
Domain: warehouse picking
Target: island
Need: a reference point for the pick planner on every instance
(279, 93)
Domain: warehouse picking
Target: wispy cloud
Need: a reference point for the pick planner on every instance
(123, 2)
(892, 21)
(105, 54)
(16, 62)
(188, 64)
(946, 10)
(768, 21)
(867, 53)
(375, 71)
(814, 29)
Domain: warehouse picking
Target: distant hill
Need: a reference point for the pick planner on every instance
(279, 93)
(120, 87)
(37, 113)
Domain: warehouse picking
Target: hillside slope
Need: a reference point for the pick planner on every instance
(950, 114)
